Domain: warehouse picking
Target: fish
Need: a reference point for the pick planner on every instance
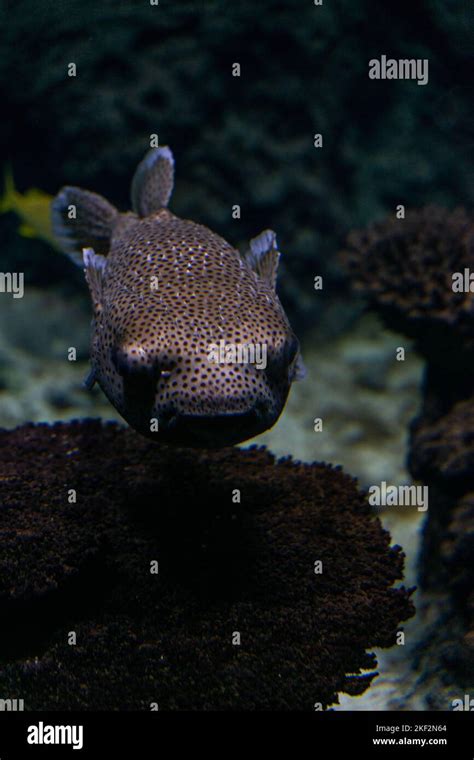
(33, 208)
(189, 340)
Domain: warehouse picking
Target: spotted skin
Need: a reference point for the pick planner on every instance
(167, 290)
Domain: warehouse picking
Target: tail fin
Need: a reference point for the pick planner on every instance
(82, 220)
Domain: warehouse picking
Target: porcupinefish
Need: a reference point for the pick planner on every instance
(189, 341)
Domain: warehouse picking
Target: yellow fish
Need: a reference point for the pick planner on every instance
(33, 208)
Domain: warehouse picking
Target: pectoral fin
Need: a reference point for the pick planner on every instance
(81, 220)
(299, 370)
(94, 268)
(263, 256)
(89, 380)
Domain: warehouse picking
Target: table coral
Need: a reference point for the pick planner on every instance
(224, 568)
(404, 267)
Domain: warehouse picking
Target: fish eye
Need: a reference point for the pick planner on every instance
(279, 362)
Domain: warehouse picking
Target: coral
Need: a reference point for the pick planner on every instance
(457, 548)
(442, 451)
(224, 567)
(405, 266)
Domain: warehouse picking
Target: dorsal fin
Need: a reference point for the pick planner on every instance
(153, 181)
(263, 256)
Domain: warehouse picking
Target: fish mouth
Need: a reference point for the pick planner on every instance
(214, 431)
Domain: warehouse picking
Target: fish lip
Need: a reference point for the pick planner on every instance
(223, 417)
(256, 412)
(214, 430)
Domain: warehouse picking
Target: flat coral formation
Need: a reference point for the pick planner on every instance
(227, 571)
(405, 266)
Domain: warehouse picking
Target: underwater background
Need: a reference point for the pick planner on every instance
(249, 140)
